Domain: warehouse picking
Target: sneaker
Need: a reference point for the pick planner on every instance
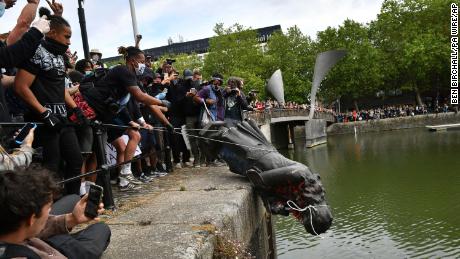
(129, 187)
(188, 164)
(160, 167)
(131, 179)
(150, 174)
(178, 166)
(196, 165)
(145, 179)
(159, 174)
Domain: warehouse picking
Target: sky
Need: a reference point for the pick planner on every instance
(109, 21)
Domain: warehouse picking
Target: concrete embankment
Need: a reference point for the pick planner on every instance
(393, 123)
(192, 213)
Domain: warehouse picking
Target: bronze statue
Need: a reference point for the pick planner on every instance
(287, 187)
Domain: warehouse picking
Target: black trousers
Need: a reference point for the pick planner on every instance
(89, 243)
(58, 146)
(177, 141)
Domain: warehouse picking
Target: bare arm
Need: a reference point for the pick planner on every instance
(143, 97)
(73, 90)
(7, 81)
(69, 100)
(22, 85)
(157, 112)
(26, 18)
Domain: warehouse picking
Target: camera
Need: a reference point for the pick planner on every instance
(113, 106)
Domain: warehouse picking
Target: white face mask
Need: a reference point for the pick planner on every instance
(95, 58)
(140, 69)
(88, 73)
(2, 8)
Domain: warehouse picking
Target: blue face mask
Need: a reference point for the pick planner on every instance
(2, 8)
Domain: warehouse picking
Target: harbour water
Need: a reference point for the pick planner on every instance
(393, 195)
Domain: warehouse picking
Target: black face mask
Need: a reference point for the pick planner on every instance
(54, 47)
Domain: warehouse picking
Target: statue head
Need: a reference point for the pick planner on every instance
(298, 191)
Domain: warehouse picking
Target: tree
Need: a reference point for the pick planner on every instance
(293, 53)
(183, 61)
(235, 52)
(414, 37)
(358, 74)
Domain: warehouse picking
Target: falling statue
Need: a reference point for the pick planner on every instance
(286, 187)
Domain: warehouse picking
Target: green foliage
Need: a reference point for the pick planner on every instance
(407, 47)
(235, 52)
(293, 53)
(358, 74)
(413, 36)
(183, 61)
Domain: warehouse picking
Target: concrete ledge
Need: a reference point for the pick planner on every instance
(182, 220)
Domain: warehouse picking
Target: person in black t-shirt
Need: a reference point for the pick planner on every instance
(40, 82)
(109, 98)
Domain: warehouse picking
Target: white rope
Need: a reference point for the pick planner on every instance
(294, 206)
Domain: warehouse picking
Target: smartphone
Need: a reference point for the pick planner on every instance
(193, 90)
(24, 132)
(94, 198)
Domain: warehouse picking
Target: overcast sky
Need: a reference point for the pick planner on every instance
(109, 21)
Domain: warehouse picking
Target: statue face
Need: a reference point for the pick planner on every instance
(318, 221)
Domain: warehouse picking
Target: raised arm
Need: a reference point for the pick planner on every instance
(26, 18)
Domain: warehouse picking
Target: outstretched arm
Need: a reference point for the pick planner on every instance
(143, 97)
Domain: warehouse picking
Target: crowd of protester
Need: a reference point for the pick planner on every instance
(138, 106)
(391, 111)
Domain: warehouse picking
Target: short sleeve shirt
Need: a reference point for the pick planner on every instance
(49, 84)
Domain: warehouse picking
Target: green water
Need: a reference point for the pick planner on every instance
(393, 195)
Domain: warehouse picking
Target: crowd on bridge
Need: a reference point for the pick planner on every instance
(65, 101)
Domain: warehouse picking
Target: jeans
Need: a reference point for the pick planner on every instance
(88, 243)
(192, 123)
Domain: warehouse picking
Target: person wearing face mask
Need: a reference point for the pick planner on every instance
(109, 98)
(84, 66)
(212, 96)
(40, 83)
(192, 112)
(96, 56)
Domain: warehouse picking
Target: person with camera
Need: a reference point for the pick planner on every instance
(235, 101)
(21, 157)
(40, 83)
(28, 230)
(192, 113)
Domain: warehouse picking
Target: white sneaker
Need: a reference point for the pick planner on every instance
(178, 166)
(132, 179)
(129, 187)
